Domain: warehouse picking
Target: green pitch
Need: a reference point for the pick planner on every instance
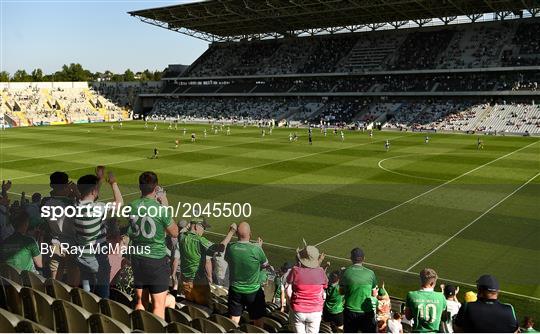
(446, 205)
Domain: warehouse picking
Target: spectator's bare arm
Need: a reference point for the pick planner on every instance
(208, 269)
(5, 188)
(173, 230)
(228, 237)
(117, 195)
(38, 263)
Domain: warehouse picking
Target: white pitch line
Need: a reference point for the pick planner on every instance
(265, 164)
(409, 175)
(386, 267)
(471, 223)
(422, 194)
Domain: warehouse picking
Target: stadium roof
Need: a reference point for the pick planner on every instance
(221, 20)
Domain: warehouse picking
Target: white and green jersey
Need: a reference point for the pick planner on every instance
(426, 307)
(90, 228)
(148, 228)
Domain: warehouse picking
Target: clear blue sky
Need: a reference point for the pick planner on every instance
(99, 35)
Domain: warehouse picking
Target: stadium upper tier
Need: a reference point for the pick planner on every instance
(465, 46)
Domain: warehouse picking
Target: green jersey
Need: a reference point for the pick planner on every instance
(245, 260)
(193, 255)
(18, 250)
(277, 287)
(426, 307)
(334, 300)
(148, 227)
(356, 285)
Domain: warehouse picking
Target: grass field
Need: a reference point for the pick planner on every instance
(444, 205)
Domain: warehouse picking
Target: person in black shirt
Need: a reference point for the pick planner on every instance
(486, 314)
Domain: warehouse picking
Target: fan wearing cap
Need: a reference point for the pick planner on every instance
(333, 304)
(196, 260)
(425, 305)
(246, 260)
(487, 314)
(452, 307)
(62, 230)
(307, 282)
(356, 286)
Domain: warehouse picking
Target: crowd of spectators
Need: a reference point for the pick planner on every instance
(487, 44)
(327, 53)
(526, 38)
(499, 118)
(421, 49)
(341, 112)
(349, 299)
(220, 108)
(63, 105)
(124, 94)
(419, 114)
(425, 115)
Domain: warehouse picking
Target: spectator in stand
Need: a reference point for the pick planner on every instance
(173, 257)
(20, 250)
(282, 296)
(452, 307)
(220, 267)
(246, 260)
(470, 296)
(307, 282)
(34, 211)
(278, 286)
(196, 261)
(62, 230)
(487, 314)
(333, 304)
(528, 325)
(425, 306)
(6, 229)
(150, 268)
(91, 231)
(356, 285)
(394, 325)
(383, 309)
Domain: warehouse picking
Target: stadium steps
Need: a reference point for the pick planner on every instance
(90, 97)
(23, 120)
(484, 113)
(10, 121)
(315, 108)
(47, 97)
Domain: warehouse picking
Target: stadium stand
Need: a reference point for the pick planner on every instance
(435, 78)
(27, 104)
(479, 45)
